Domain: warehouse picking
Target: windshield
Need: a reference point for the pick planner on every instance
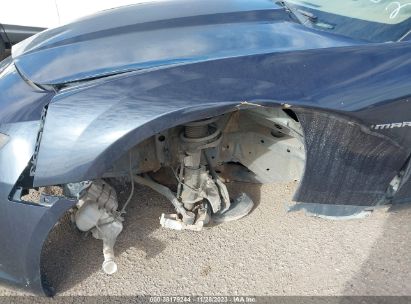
(372, 20)
(382, 11)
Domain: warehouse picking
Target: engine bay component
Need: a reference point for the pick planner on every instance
(97, 212)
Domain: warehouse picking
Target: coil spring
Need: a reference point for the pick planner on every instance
(198, 129)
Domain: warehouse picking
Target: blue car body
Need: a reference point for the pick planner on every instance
(75, 98)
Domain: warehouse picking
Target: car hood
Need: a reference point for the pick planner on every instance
(160, 34)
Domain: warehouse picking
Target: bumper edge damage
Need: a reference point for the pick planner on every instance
(21, 255)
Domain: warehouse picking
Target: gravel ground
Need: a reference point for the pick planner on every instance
(269, 252)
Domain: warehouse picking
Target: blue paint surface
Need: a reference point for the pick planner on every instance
(120, 76)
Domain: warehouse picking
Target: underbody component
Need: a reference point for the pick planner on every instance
(188, 217)
(198, 183)
(97, 212)
(241, 206)
(195, 182)
(201, 194)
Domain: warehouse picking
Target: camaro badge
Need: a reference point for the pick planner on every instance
(392, 125)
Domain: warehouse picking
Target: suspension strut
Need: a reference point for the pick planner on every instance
(197, 136)
(201, 195)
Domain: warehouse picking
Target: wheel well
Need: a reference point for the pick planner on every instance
(259, 144)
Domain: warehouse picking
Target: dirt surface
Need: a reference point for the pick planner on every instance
(269, 252)
(34, 195)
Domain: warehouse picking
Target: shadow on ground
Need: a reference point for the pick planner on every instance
(385, 270)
